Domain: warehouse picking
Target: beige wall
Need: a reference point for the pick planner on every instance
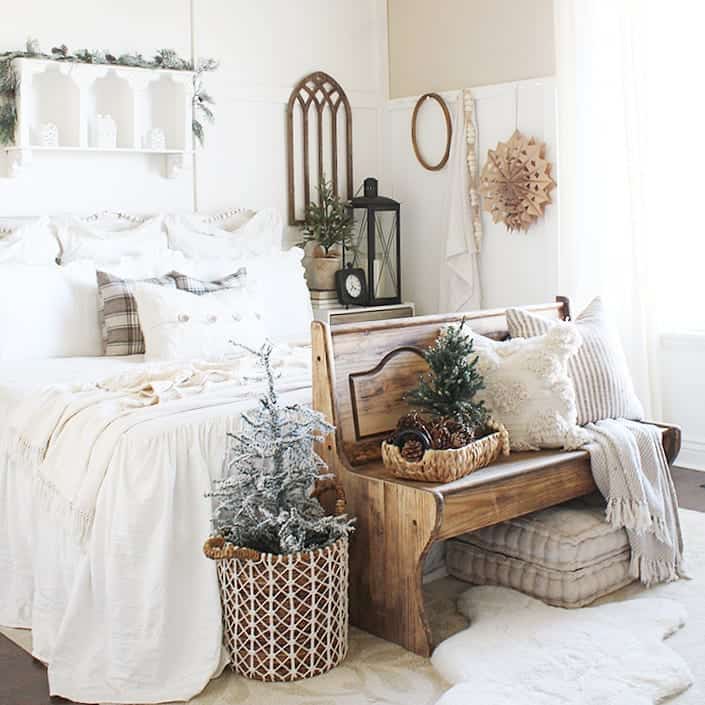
(437, 45)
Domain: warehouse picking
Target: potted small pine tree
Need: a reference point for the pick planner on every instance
(282, 562)
(328, 227)
(456, 435)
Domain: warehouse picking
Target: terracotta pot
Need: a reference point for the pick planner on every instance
(320, 272)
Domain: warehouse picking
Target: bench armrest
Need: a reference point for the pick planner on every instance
(671, 439)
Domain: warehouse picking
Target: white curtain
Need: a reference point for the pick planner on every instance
(630, 152)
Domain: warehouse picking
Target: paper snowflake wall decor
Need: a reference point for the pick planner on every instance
(516, 182)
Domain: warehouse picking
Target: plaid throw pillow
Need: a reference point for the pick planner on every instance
(199, 287)
(117, 311)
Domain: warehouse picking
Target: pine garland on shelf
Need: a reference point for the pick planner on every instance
(163, 59)
(447, 391)
(264, 501)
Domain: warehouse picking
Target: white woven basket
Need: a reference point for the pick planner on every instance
(285, 617)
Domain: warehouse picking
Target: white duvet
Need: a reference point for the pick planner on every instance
(130, 612)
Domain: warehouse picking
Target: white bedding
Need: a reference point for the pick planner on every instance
(132, 615)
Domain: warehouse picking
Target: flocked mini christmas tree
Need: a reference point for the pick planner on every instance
(447, 392)
(264, 501)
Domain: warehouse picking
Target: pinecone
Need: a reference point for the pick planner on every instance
(412, 420)
(412, 451)
(440, 436)
(461, 437)
(453, 426)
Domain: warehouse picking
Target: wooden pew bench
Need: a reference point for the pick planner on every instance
(360, 372)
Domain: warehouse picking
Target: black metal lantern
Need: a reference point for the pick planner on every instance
(376, 244)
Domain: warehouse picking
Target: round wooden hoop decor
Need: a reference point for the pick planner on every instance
(449, 131)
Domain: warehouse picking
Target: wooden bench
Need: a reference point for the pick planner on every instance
(360, 373)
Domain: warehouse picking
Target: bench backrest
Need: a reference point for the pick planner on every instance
(372, 365)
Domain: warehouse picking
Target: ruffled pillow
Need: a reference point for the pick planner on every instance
(197, 238)
(83, 240)
(28, 242)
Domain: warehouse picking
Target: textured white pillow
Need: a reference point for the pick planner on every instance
(49, 311)
(179, 325)
(599, 371)
(81, 240)
(278, 283)
(527, 388)
(260, 235)
(28, 242)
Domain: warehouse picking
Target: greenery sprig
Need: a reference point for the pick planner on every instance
(328, 222)
(163, 59)
(449, 388)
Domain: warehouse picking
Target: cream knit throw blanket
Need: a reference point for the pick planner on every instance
(631, 471)
(67, 434)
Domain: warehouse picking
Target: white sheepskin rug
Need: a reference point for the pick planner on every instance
(519, 651)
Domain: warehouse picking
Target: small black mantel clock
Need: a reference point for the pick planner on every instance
(351, 287)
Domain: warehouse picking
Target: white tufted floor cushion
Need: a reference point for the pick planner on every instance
(567, 556)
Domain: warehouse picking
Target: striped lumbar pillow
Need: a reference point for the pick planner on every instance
(603, 385)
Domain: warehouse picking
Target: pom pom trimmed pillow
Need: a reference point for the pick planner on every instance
(599, 371)
(177, 325)
(527, 388)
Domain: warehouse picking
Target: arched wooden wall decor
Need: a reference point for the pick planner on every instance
(322, 92)
(449, 131)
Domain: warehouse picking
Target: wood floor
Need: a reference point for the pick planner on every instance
(23, 681)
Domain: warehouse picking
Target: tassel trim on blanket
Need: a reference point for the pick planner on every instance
(75, 521)
(629, 514)
(636, 516)
(652, 572)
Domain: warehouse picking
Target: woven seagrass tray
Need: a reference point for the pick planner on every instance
(451, 464)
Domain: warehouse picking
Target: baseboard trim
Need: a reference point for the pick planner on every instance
(692, 455)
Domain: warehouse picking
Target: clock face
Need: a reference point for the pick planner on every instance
(353, 285)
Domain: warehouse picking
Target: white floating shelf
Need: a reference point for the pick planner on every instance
(72, 96)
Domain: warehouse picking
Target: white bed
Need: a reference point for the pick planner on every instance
(133, 615)
(129, 610)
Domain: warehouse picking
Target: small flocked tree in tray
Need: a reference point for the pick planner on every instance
(449, 416)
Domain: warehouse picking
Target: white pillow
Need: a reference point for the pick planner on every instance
(527, 388)
(49, 311)
(150, 267)
(277, 281)
(81, 240)
(259, 235)
(599, 370)
(28, 242)
(179, 325)
(280, 283)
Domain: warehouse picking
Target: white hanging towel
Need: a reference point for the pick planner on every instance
(460, 271)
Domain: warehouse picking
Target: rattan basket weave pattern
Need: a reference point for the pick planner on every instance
(451, 464)
(285, 617)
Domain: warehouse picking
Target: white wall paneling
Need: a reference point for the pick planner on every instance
(264, 49)
(683, 392)
(516, 268)
(269, 46)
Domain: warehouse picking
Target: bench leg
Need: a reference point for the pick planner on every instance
(395, 528)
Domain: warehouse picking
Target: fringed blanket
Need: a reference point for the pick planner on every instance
(68, 433)
(631, 471)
